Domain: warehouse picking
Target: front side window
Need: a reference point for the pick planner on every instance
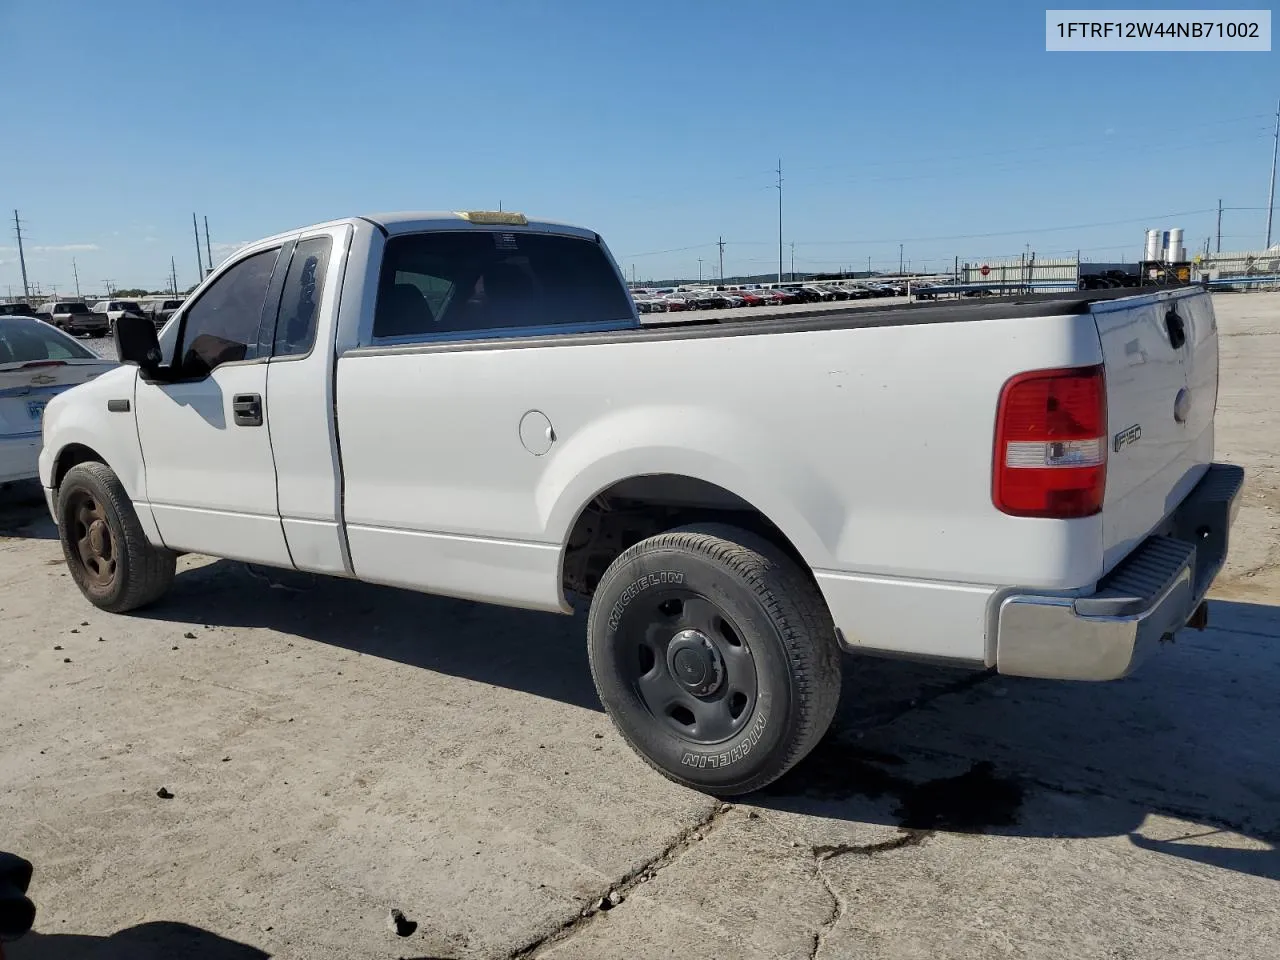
(470, 282)
(300, 300)
(222, 326)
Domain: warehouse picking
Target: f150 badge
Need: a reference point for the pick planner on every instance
(1126, 437)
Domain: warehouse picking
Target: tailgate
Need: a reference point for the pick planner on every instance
(1161, 356)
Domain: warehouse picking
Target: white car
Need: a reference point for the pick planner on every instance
(115, 309)
(37, 362)
(1024, 485)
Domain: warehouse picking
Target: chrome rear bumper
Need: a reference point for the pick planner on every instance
(1150, 595)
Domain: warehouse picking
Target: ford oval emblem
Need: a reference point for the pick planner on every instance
(1182, 405)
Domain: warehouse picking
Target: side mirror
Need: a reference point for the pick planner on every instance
(136, 343)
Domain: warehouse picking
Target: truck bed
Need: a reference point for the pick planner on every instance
(831, 316)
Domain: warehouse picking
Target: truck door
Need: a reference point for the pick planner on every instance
(205, 440)
(300, 418)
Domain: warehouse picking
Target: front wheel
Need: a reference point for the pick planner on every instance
(715, 656)
(107, 553)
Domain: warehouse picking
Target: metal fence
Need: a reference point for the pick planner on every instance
(1027, 273)
(1249, 270)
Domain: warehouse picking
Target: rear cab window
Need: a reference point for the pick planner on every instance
(460, 284)
(295, 330)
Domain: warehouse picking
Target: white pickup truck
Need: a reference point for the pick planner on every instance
(468, 405)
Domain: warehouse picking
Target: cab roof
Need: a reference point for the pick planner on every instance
(417, 221)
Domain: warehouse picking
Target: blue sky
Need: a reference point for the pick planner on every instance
(943, 126)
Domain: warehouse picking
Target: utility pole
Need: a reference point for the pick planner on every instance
(1219, 249)
(633, 274)
(173, 276)
(779, 219)
(868, 266)
(208, 250)
(22, 257)
(793, 260)
(699, 269)
(75, 273)
(1271, 191)
(108, 286)
(195, 228)
(722, 259)
(899, 258)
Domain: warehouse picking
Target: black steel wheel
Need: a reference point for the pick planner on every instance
(688, 664)
(107, 552)
(715, 656)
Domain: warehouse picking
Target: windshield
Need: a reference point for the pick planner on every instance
(72, 308)
(22, 341)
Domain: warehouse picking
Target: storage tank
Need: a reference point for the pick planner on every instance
(1152, 251)
(1175, 252)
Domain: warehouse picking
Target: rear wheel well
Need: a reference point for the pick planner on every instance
(641, 507)
(73, 454)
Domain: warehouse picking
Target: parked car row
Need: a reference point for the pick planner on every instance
(79, 318)
(672, 299)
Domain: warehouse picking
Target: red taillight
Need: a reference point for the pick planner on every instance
(1050, 457)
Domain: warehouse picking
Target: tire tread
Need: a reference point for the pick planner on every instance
(150, 570)
(799, 613)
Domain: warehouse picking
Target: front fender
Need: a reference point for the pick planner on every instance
(80, 417)
(773, 474)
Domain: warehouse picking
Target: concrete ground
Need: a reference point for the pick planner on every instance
(334, 751)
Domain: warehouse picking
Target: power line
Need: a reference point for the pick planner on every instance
(1008, 233)
(656, 253)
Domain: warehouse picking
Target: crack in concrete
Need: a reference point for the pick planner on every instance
(837, 911)
(906, 838)
(822, 853)
(626, 883)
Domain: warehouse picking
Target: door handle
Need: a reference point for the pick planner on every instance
(247, 409)
(1177, 328)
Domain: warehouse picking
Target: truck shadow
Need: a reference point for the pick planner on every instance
(147, 941)
(23, 512)
(1180, 757)
(1191, 735)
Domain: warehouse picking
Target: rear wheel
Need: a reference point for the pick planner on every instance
(715, 656)
(107, 554)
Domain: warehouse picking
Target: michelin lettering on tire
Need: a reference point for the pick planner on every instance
(636, 587)
(728, 757)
